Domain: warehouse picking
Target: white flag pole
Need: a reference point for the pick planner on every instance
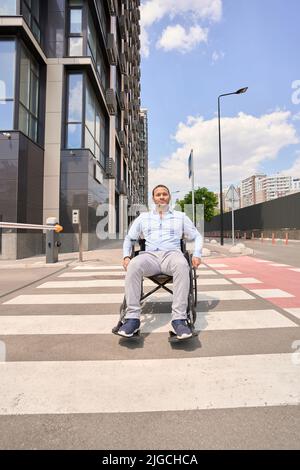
(193, 195)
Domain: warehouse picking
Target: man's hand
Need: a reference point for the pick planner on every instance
(196, 262)
(126, 262)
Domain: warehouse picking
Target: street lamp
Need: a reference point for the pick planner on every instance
(238, 92)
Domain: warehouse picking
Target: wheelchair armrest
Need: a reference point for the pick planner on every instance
(142, 244)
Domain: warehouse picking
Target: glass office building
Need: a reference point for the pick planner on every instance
(69, 118)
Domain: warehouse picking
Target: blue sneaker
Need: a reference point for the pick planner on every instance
(181, 329)
(129, 327)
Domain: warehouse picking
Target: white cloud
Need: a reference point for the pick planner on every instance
(247, 141)
(153, 11)
(294, 170)
(176, 37)
(217, 56)
(296, 117)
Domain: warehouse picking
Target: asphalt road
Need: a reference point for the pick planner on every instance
(68, 383)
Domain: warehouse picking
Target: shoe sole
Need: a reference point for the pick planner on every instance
(185, 336)
(125, 335)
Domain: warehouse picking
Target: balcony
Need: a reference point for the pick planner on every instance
(111, 7)
(125, 151)
(123, 26)
(111, 101)
(123, 64)
(111, 49)
(122, 138)
(123, 187)
(110, 169)
(123, 100)
(126, 117)
(126, 84)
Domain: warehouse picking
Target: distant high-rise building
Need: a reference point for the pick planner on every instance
(248, 189)
(262, 188)
(143, 172)
(69, 117)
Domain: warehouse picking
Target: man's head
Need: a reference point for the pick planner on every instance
(161, 196)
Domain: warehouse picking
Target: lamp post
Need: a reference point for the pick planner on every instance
(238, 92)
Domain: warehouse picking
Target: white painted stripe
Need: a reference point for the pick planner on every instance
(148, 385)
(217, 265)
(279, 265)
(151, 323)
(93, 273)
(228, 271)
(99, 267)
(118, 283)
(261, 260)
(294, 311)
(121, 273)
(296, 270)
(271, 293)
(117, 298)
(245, 280)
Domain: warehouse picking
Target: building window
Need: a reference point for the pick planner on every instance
(94, 51)
(29, 95)
(104, 18)
(75, 28)
(8, 7)
(74, 112)
(30, 10)
(94, 127)
(7, 84)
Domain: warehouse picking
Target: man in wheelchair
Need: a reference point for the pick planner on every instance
(162, 229)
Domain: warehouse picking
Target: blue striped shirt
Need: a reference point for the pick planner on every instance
(163, 234)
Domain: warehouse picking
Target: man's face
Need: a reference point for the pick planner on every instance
(161, 196)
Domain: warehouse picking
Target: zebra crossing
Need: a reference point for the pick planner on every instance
(62, 360)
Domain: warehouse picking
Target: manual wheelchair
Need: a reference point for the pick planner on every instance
(160, 280)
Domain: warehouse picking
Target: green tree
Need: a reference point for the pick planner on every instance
(202, 196)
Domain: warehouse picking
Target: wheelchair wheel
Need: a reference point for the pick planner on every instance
(192, 298)
(195, 286)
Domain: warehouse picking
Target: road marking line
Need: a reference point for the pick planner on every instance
(245, 280)
(113, 386)
(150, 323)
(100, 268)
(117, 298)
(212, 265)
(294, 311)
(118, 283)
(122, 273)
(279, 265)
(271, 293)
(228, 271)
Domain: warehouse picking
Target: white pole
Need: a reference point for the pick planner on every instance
(232, 213)
(193, 195)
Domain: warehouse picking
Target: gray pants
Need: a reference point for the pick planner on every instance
(151, 263)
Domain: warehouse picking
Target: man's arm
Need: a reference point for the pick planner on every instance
(133, 234)
(192, 233)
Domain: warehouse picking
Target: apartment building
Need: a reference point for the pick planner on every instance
(248, 190)
(262, 188)
(69, 118)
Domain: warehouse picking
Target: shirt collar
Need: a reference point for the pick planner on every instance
(154, 211)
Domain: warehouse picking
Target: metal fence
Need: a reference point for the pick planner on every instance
(279, 215)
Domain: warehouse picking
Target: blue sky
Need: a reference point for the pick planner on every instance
(252, 43)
